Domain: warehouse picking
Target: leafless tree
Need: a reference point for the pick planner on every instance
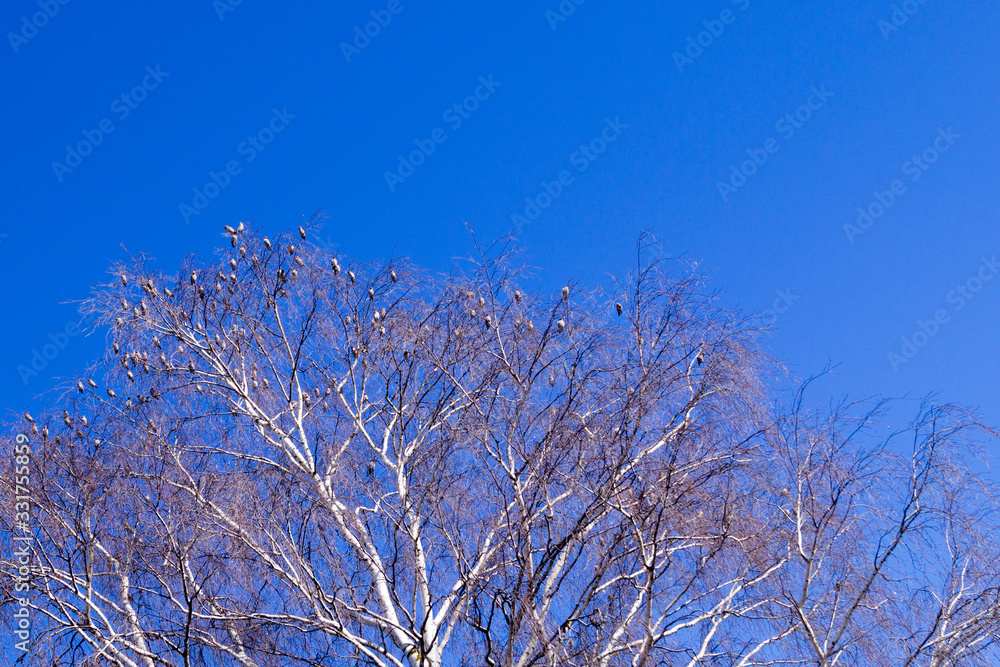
(293, 460)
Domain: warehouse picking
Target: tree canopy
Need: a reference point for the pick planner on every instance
(287, 458)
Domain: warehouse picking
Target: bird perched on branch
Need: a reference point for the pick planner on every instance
(302, 233)
(267, 243)
(230, 229)
(194, 277)
(392, 275)
(561, 324)
(124, 281)
(565, 293)
(618, 307)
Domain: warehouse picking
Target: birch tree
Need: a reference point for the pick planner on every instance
(286, 458)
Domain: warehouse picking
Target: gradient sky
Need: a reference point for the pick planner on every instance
(676, 126)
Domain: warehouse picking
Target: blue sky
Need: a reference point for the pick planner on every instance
(642, 110)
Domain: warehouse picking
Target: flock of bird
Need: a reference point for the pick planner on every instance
(150, 288)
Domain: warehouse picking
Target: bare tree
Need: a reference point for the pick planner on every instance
(287, 459)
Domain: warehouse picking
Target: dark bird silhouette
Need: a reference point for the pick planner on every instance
(618, 307)
(700, 358)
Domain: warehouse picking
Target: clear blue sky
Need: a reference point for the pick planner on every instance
(673, 127)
